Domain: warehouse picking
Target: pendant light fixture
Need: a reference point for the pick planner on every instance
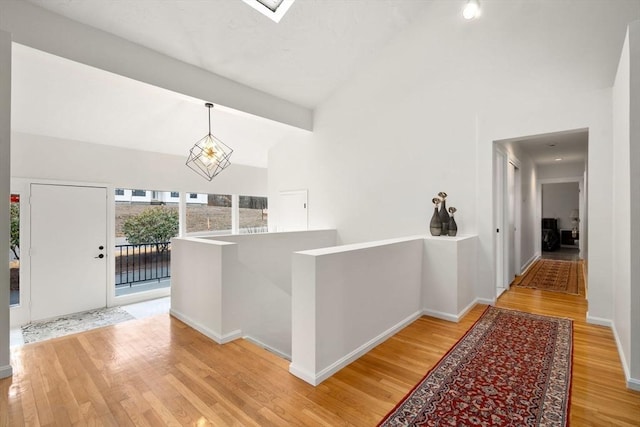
(209, 156)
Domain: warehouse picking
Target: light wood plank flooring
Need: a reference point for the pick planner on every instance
(157, 371)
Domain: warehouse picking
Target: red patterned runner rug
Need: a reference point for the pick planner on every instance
(552, 275)
(510, 369)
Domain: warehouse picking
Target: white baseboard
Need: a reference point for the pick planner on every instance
(316, 378)
(467, 309)
(456, 317)
(632, 383)
(305, 376)
(268, 347)
(599, 321)
(217, 337)
(6, 371)
(529, 263)
(485, 301)
(441, 315)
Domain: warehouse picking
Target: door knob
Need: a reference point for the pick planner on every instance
(100, 256)
(101, 247)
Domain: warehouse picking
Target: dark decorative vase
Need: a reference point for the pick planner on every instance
(453, 227)
(435, 225)
(444, 218)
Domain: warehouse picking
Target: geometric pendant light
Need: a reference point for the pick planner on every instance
(209, 156)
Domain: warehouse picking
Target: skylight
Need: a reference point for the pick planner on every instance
(274, 9)
(271, 4)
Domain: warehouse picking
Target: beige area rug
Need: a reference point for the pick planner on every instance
(552, 275)
(73, 323)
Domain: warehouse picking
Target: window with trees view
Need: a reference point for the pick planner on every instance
(253, 214)
(14, 253)
(144, 230)
(212, 213)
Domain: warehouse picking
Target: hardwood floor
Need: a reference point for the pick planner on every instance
(157, 371)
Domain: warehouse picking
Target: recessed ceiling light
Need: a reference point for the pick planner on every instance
(471, 9)
(557, 159)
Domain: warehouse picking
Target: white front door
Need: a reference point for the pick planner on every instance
(68, 249)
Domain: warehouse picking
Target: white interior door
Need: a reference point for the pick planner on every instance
(293, 211)
(510, 271)
(68, 249)
(498, 192)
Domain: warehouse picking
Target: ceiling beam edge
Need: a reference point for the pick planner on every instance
(40, 29)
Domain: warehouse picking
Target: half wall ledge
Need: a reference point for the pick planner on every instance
(348, 299)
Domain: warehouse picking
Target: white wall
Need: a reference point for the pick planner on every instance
(265, 260)
(348, 299)
(530, 237)
(625, 206)
(35, 156)
(240, 286)
(634, 226)
(5, 168)
(415, 121)
(449, 276)
(558, 200)
(197, 281)
(620, 205)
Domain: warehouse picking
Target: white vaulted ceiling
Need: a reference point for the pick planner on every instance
(59, 98)
(303, 58)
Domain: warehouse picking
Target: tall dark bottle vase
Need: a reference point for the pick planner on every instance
(444, 218)
(453, 227)
(435, 226)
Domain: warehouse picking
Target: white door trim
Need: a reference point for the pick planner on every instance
(504, 263)
(499, 183)
(517, 233)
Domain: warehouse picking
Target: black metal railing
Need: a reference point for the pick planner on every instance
(142, 263)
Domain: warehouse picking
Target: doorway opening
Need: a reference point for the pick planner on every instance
(560, 220)
(527, 227)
